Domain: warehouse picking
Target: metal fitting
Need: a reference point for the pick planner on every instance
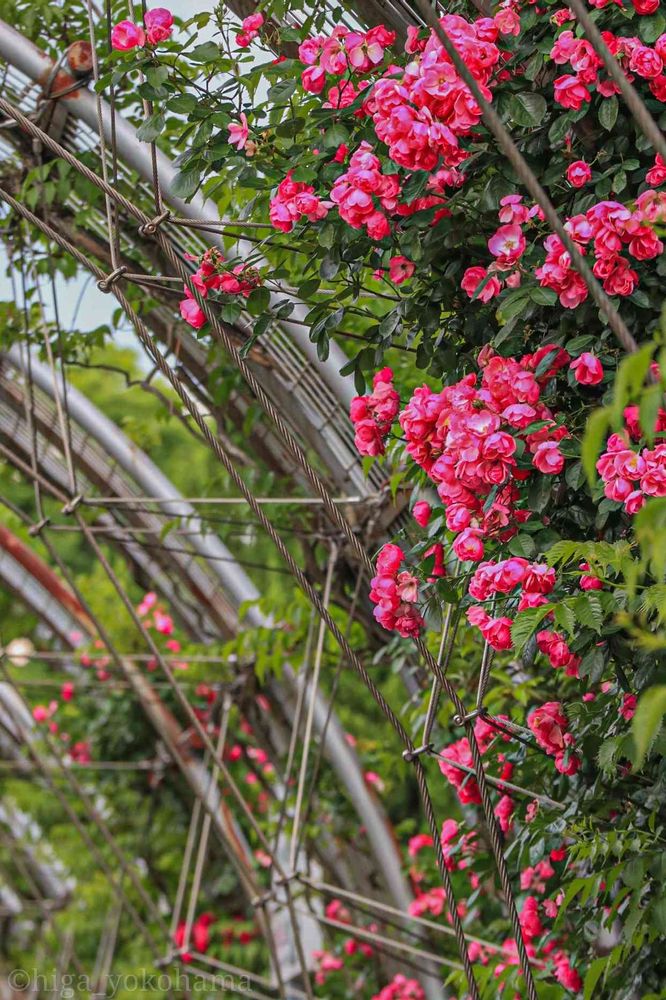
(411, 755)
(36, 529)
(150, 228)
(462, 720)
(71, 506)
(105, 284)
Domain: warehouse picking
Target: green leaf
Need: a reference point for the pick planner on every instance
(512, 305)
(633, 872)
(647, 721)
(182, 104)
(648, 410)
(564, 552)
(149, 130)
(281, 91)
(185, 183)
(157, 75)
(230, 312)
(629, 380)
(207, 53)
(593, 440)
(559, 129)
(608, 113)
(258, 301)
(522, 545)
(593, 975)
(335, 136)
(592, 665)
(565, 618)
(650, 28)
(542, 296)
(527, 108)
(588, 610)
(328, 268)
(308, 287)
(525, 624)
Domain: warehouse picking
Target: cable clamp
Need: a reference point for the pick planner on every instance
(260, 901)
(150, 228)
(462, 720)
(70, 507)
(36, 529)
(285, 879)
(105, 284)
(411, 755)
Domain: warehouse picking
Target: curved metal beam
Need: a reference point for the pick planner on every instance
(20, 52)
(240, 588)
(40, 588)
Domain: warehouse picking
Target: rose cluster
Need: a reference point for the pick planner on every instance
(250, 30)
(630, 476)
(422, 114)
(294, 199)
(343, 52)
(211, 276)
(491, 578)
(373, 415)
(401, 988)
(507, 245)
(556, 648)
(460, 752)
(395, 594)
(608, 227)
(572, 90)
(549, 725)
(364, 194)
(158, 25)
(469, 437)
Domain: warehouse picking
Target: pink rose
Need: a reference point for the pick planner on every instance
(507, 244)
(192, 314)
(400, 269)
(656, 175)
(368, 438)
(628, 707)
(253, 22)
(587, 369)
(579, 173)
(471, 280)
(497, 633)
(127, 35)
(422, 512)
(468, 545)
(159, 25)
(570, 92)
(313, 79)
(390, 558)
(238, 132)
(548, 458)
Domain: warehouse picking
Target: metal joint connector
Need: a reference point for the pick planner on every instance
(36, 529)
(150, 228)
(285, 879)
(462, 720)
(260, 901)
(71, 506)
(411, 755)
(105, 284)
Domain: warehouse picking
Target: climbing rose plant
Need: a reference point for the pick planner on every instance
(533, 458)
